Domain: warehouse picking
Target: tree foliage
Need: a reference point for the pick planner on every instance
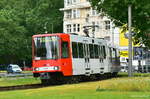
(117, 10)
(20, 19)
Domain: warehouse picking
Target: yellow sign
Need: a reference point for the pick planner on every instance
(123, 53)
(123, 40)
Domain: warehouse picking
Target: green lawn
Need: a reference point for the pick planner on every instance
(116, 88)
(71, 93)
(18, 81)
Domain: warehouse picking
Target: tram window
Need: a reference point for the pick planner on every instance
(96, 51)
(80, 45)
(104, 52)
(65, 50)
(75, 49)
(110, 52)
(91, 51)
(100, 51)
(115, 52)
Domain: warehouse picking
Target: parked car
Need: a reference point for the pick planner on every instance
(13, 68)
(124, 69)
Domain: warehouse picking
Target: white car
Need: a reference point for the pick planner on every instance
(13, 68)
(124, 69)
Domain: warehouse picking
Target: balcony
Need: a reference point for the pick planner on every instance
(76, 6)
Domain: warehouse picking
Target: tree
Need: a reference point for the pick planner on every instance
(117, 10)
(44, 13)
(19, 20)
(12, 37)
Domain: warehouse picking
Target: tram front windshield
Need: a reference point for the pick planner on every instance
(46, 47)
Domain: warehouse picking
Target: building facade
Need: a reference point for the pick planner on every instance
(79, 13)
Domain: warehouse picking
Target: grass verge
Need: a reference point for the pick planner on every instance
(126, 84)
(125, 74)
(116, 88)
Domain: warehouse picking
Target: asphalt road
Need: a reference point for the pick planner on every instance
(15, 74)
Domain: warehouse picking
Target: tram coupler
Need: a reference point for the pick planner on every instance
(44, 76)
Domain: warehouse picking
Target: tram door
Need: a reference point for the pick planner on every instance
(86, 57)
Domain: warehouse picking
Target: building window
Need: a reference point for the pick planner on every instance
(74, 13)
(68, 28)
(68, 2)
(93, 12)
(78, 28)
(74, 1)
(68, 14)
(93, 23)
(107, 25)
(97, 28)
(78, 13)
(74, 27)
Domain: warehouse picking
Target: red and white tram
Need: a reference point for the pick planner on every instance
(60, 55)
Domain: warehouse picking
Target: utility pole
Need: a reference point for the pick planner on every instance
(130, 42)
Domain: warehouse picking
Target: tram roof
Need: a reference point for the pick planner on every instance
(71, 34)
(48, 34)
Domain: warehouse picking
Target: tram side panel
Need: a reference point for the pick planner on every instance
(113, 59)
(66, 60)
(51, 65)
(116, 61)
(105, 62)
(77, 55)
(94, 56)
(88, 57)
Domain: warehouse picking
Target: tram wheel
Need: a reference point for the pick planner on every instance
(45, 81)
(114, 74)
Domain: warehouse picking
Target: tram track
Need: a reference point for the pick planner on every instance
(21, 87)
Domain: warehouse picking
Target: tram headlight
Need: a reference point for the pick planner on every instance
(36, 69)
(56, 67)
